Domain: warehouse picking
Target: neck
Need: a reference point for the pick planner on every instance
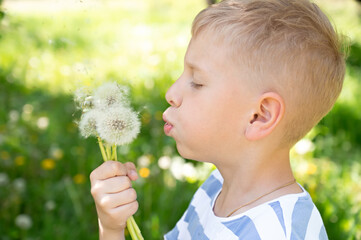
(249, 177)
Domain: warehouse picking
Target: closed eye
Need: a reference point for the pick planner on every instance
(196, 85)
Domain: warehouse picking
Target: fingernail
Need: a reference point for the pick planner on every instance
(133, 173)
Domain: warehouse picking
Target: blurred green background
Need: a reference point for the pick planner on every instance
(49, 48)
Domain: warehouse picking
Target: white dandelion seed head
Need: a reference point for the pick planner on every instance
(23, 221)
(111, 94)
(88, 123)
(119, 125)
(87, 104)
(81, 95)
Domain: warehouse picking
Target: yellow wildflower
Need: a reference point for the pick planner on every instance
(79, 178)
(144, 172)
(312, 168)
(159, 115)
(2, 128)
(146, 117)
(34, 138)
(48, 164)
(4, 155)
(19, 160)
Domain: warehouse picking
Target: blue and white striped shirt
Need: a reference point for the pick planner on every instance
(291, 217)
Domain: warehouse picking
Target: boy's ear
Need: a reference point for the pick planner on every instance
(265, 118)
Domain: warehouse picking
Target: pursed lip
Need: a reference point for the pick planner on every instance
(167, 126)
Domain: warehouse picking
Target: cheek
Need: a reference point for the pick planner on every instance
(225, 122)
(211, 116)
(204, 126)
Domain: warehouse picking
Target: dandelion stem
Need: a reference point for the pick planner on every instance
(131, 229)
(101, 146)
(136, 228)
(109, 152)
(115, 152)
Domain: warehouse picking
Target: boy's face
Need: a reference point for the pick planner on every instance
(209, 103)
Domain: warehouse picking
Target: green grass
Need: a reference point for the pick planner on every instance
(44, 164)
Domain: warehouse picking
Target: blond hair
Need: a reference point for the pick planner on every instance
(288, 46)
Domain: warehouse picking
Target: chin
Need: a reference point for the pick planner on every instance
(186, 153)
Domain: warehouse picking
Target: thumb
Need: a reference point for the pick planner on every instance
(131, 171)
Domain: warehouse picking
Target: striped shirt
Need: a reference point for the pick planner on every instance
(292, 216)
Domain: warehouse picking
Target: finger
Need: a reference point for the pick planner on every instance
(111, 185)
(131, 171)
(114, 200)
(126, 210)
(107, 170)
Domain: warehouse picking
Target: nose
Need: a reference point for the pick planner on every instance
(173, 95)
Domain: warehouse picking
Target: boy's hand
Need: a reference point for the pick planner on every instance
(114, 197)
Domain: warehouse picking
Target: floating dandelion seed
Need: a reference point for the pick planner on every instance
(111, 94)
(88, 122)
(119, 126)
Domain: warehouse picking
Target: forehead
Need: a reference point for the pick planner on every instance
(206, 52)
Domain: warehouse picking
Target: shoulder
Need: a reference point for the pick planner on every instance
(302, 217)
(292, 216)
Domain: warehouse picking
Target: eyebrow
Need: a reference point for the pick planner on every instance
(194, 66)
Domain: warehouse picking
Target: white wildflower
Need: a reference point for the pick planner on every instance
(28, 109)
(176, 167)
(23, 221)
(118, 125)
(14, 116)
(304, 146)
(88, 123)
(164, 162)
(4, 179)
(189, 171)
(144, 161)
(19, 184)
(42, 123)
(110, 94)
(203, 171)
(50, 205)
(56, 152)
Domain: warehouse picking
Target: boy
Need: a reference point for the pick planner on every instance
(258, 75)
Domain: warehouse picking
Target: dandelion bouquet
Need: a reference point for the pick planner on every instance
(107, 115)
